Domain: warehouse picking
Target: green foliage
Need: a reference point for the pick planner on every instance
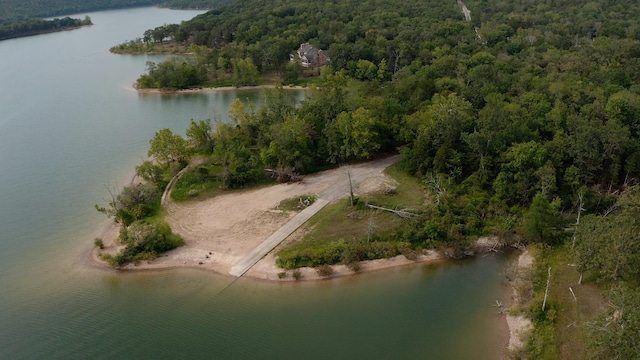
(340, 252)
(168, 148)
(200, 137)
(240, 164)
(290, 146)
(616, 333)
(609, 246)
(98, 242)
(542, 222)
(135, 202)
(172, 74)
(245, 73)
(356, 135)
(518, 180)
(152, 173)
(292, 71)
(145, 239)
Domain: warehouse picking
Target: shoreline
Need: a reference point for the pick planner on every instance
(520, 327)
(214, 89)
(267, 270)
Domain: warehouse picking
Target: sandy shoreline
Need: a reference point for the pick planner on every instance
(520, 326)
(214, 89)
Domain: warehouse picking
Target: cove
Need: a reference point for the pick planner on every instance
(71, 124)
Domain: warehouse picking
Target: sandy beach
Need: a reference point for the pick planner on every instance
(520, 327)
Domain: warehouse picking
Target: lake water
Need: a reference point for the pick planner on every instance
(71, 125)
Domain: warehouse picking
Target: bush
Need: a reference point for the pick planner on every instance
(144, 240)
(354, 266)
(195, 182)
(324, 270)
(98, 242)
(297, 274)
(405, 249)
(335, 253)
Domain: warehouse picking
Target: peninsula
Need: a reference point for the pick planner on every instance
(219, 231)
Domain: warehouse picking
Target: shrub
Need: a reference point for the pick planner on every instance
(297, 274)
(98, 242)
(405, 249)
(354, 266)
(297, 202)
(335, 253)
(144, 240)
(324, 270)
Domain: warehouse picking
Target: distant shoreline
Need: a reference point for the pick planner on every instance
(42, 32)
(214, 89)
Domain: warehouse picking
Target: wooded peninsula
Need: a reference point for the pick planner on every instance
(518, 120)
(31, 27)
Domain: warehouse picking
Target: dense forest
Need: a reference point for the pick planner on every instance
(521, 123)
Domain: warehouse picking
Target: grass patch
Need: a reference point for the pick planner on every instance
(341, 220)
(204, 181)
(409, 191)
(341, 233)
(560, 331)
(201, 181)
(296, 203)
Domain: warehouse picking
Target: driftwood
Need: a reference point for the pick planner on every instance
(546, 292)
(403, 213)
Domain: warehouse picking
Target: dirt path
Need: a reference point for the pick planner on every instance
(220, 231)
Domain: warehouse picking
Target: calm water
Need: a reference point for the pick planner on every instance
(70, 124)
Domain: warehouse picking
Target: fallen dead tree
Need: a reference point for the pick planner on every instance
(403, 213)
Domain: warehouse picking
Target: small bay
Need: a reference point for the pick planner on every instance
(72, 126)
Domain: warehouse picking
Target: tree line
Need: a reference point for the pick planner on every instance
(30, 27)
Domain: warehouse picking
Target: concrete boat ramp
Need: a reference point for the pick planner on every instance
(245, 263)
